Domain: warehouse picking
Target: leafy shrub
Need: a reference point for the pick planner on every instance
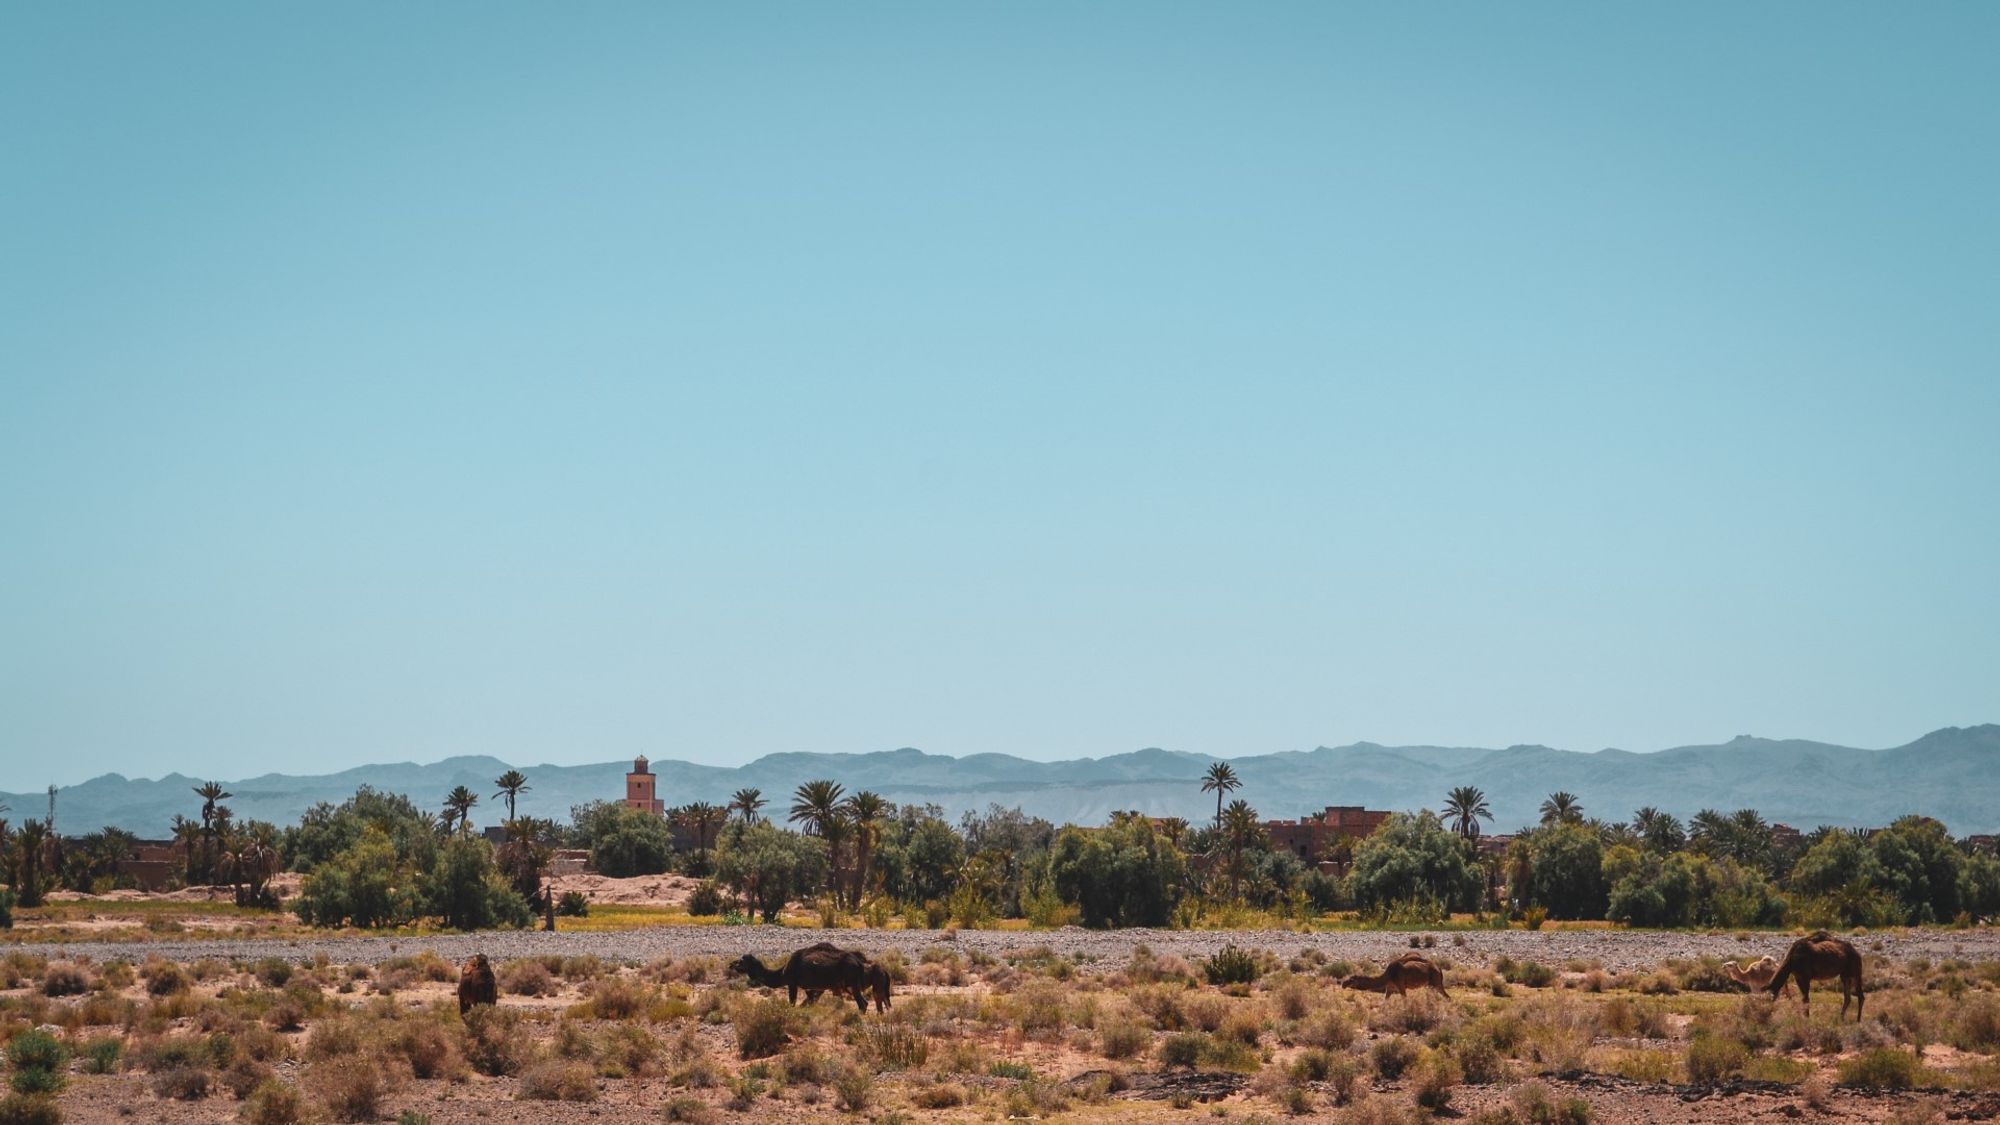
(429, 1049)
(573, 904)
(1884, 1068)
(28, 1109)
(527, 977)
(763, 1027)
(101, 1055)
(1231, 965)
(37, 1050)
(706, 899)
(1392, 1056)
(1182, 1049)
(1712, 1059)
(273, 1103)
(560, 1082)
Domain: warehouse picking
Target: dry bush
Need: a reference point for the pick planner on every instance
(1377, 1111)
(1330, 1028)
(1122, 1038)
(495, 1043)
(941, 1095)
(350, 1086)
(687, 1110)
(560, 1082)
(273, 1103)
(1885, 1068)
(527, 977)
(628, 1051)
(1436, 1076)
(246, 1074)
(853, 1089)
(1715, 1058)
(1533, 1103)
(763, 1027)
(182, 1083)
(1038, 1009)
(164, 978)
(1205, 1011)
(805, 1065)
(64, 978)
(616, 998)
(1392, 1056)
(1161, 1005)
(431, 1051)
(1294, 998)
(1417, 1013)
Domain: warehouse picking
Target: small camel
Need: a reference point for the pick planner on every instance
(814, 969)
(1754, 976)
(476, 984)
(1398, 977)
(1821, 956)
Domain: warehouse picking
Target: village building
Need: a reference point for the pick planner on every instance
(639, 792)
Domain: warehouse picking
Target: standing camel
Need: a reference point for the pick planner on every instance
(814, 969)
(1821, 956)
(1398, 977)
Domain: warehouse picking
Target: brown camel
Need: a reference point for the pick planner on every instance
(1821, 956)
(875, 977)
(814, 969)
(476, 984)
(1398, 977)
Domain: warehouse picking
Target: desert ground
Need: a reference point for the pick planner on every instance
(646, 1024)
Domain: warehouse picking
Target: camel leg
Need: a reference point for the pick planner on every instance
(1805, 996)
(792, 993)
(861, 998)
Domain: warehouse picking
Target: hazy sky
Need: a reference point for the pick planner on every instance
(386, 382)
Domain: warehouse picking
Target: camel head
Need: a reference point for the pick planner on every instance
(747, 966)
(1360, 982)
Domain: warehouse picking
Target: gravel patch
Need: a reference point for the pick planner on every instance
(1616, 950)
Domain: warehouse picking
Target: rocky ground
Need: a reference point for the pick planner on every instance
(1614, 950)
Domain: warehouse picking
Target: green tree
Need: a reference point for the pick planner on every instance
(1465, 806)
(1123, 874)
(1567, 873)
(1659, 831)
(466, 890)
(32, 846)
(326, 829)
(458, 804)
(1240, 826)
(1921, 867)
(1414, 858)
(367, 885)
(511, 784)
(1220, 779)
(632, 842)
(746, 803)
(864, 810)
(816, 805)
(767, 867)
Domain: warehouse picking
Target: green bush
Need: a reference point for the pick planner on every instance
(1438, 1074)
(37, 1050)
(573, 905)
(1712, 1059)
(273, 1103)
(706, 899)
(1884, 1068)
(7, 914)
(1392, 1056)
(1231, 965)
(1181, 1049)
(29, 1109)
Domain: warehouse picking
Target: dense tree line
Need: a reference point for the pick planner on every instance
(379, 859)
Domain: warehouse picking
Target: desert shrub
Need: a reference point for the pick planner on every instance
(182, 1083)
(100, 1056)
(687, 1110)
(527, 977)
(1392, 1056)
(1330, 1028)
(351, 1087)
(763, 1027)
(1231, 965)
(895, 1046)
(1122, 1038)
(705, 900)
(1976, 1024)
(1034, 1098)
(1437, 1074)
(273, 1103)
(37, 1050)
(1713, 1058)
(1883, 1068)
(1038, 1008)
(804, 1065)
(1181, 1049)
(1479, 1059)
(560, 1082)
(573, 904)
(1418, 1013)
(245, 1074)
(853, 1089)
(62, 978)
(942, 1095)
(28, 1109)
(164, 978)
(495, 1043)
(429, 1050)
(1533, 1103)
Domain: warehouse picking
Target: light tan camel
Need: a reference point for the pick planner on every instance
(1411, 970)
(1756, 975)
(1821, 956)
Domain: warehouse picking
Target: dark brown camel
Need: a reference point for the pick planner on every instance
(1411, 970)
(814, 969)
(1821, 956)
(476, 984)
(875, 977)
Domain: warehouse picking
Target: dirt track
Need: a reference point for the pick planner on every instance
(1616, 950)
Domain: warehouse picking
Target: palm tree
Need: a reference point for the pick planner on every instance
(703, 817)
(1173, 828)
(1659, 831)
(1466, 806)
(31, 847)
(212, 812)
(1220, 779)
(511, 785)
(446, 822)
(1240, 823)
(460, 801)
(865, 811)
(1562, 807)
(1706, 831)
(747, 802)
(816, 805)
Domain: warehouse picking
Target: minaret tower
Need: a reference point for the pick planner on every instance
(639, 788)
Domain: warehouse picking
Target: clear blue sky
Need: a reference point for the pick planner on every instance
(386, 382)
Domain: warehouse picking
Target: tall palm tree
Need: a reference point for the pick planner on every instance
(1707, 830)
(1562, 807)
(1240, 825)
(817, 806)
(213, 815)
(865, 811)
(460, 801)
(511, 785)
(1660, 831)
(31, 847)
(1220, 779)
(704, 818)
(1173, 828)
(1466, 806)
(746, 802)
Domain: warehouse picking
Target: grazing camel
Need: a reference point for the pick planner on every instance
(814, 969)
(1398, 977)
(875, 977)
(476, 984)
(1821, 956)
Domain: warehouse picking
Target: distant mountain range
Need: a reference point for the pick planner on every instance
(1951, 774)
